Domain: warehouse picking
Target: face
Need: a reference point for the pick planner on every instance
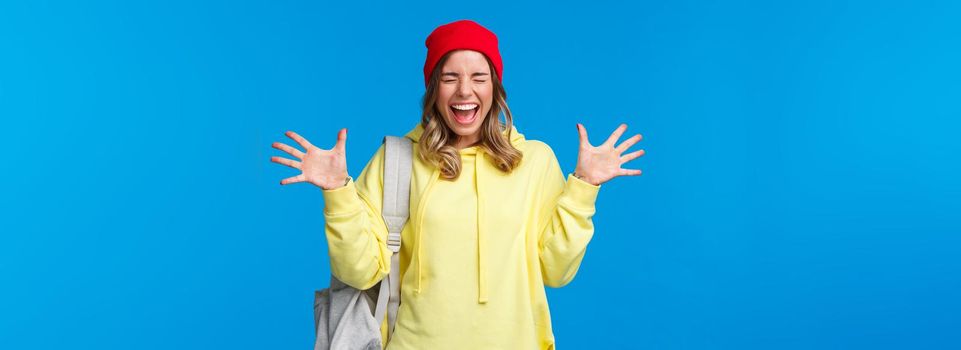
(464, 94)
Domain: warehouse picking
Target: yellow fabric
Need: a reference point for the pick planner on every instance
(476, 252)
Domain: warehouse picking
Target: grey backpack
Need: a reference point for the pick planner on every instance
(347, 318)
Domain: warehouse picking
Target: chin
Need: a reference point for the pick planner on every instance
(464, 130)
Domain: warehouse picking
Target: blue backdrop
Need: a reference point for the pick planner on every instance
(800, 189)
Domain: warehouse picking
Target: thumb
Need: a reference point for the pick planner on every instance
(341, 144)
(582, 135)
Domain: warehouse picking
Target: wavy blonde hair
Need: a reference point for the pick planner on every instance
(436, 143)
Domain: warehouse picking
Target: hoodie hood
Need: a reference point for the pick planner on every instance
(483, 170)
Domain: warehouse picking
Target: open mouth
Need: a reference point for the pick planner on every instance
(464, 113)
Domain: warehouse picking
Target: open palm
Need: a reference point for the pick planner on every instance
(325, 168)
(598, 165)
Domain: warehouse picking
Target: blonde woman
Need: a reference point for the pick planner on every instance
(492, 222)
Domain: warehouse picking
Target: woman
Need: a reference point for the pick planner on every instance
(492, 218)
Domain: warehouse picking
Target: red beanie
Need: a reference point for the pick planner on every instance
(463, 34)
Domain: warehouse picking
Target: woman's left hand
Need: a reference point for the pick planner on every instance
(597, 165)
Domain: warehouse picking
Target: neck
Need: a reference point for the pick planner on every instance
(464, 142)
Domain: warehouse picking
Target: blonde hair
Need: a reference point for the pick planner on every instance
(436, 143)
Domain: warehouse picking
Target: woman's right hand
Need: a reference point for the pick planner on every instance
(325, 168)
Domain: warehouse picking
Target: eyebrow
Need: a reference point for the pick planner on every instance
(453, 74)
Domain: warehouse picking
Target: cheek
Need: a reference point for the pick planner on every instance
(442, 98)
(487, 98)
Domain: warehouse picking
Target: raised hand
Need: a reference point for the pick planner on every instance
(325, 168)
(597, 165)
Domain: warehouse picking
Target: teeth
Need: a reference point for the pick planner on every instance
(466, 107)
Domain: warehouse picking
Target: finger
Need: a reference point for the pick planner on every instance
(582, 134)
(616, 135)
(341, 141)
(629, 172)
(300, 140)
(290, 150)
(291, 163)
(628, 143)
(293, 179)
(631, 156)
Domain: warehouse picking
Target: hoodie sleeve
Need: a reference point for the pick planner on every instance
(565, 209)
(356, 231)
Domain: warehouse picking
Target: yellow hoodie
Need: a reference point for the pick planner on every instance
(476, 252)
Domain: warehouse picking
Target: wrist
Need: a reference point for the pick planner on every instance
(585, 179)
(339, 185)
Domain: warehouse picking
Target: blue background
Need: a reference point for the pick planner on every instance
(800, 189)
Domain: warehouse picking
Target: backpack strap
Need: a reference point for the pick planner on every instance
(397, 168)
(398, 161)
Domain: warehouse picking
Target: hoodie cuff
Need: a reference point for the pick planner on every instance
(341, 200)
(580, 192)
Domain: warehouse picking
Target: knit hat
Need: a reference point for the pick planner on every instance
(463, 34)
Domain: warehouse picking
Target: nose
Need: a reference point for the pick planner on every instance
(464, 89)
